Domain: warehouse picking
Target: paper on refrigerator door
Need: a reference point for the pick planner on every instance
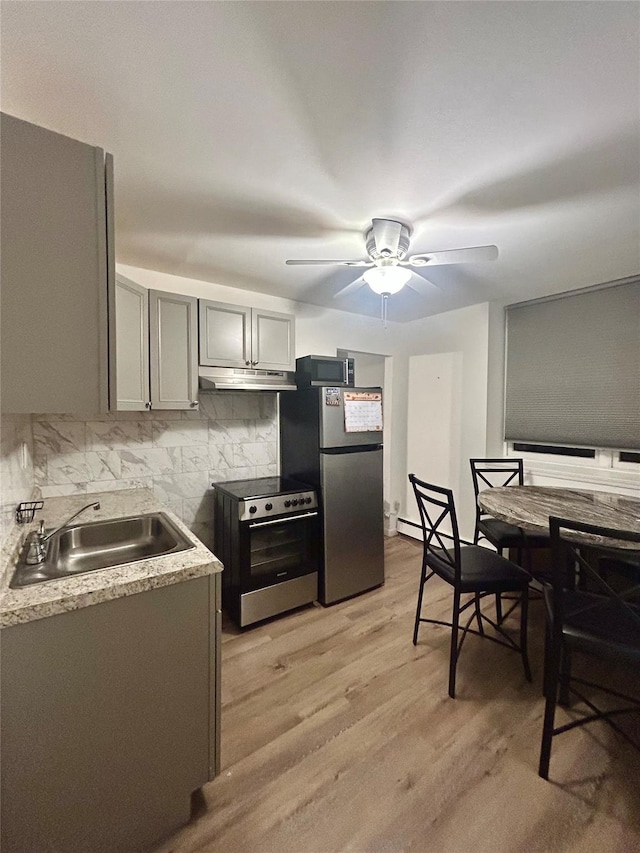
(363, 411)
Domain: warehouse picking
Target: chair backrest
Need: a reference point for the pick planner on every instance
(606, 578)
(487, 473)
(439, 523)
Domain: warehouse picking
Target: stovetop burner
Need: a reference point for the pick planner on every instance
(267, 497)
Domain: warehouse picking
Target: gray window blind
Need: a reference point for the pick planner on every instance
(573, 369)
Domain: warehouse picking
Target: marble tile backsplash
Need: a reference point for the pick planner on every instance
(176, 454)
(16, 467)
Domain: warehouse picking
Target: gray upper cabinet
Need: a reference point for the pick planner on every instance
(153, 348)
(173, 353)
(129, 383)
(236, 336)
(272, 340)
(56, 257)
(225, 334)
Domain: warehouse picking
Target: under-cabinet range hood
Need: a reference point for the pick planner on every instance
(241, 379)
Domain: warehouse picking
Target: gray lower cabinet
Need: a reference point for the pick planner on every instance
(57, 254)
(237, 336)
(110, 720)
(153, 348)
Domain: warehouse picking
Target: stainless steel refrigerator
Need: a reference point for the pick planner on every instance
(331, 438)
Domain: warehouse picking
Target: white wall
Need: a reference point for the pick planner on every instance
(434, 418)
(458, 340)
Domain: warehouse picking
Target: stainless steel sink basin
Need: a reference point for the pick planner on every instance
(85, 548)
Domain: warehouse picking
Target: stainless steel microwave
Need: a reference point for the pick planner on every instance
(324, 370)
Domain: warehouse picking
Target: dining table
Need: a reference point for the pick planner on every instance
(529, 507)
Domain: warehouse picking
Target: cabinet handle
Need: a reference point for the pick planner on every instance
(193, 404)
(147, 405)
(247, 363)
(254, 363)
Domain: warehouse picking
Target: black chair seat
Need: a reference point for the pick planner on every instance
(481, 570)
(504, 535)
(603, 627)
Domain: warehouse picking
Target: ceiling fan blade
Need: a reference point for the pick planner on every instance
(453, 256)
(422, 285)
(350, 288)
(386, 234)
(341, 263)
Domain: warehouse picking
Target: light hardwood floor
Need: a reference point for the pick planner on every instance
(338, 735)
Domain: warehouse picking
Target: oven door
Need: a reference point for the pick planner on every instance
(279, 549)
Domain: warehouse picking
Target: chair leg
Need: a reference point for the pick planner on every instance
(499, 600)
(564, 677)
(479, 614)
(547, 685)
(524, 612)
(551, 678)
(423, 576)
(547, 736)
(453, 658)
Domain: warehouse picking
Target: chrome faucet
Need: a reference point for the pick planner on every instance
(38, 540)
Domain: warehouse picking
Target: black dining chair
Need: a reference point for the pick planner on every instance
(488, 473)
(593, 609)
(473, 572)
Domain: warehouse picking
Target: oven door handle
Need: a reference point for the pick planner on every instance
(282, 520)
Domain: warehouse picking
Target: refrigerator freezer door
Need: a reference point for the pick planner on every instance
(332, 429)
(353, 524)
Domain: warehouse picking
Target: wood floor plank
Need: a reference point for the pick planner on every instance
(338, 737)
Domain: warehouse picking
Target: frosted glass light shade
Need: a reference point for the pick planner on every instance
(387, 279)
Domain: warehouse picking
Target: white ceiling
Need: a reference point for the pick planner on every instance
(245, 133)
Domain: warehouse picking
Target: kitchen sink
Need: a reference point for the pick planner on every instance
(83, 548)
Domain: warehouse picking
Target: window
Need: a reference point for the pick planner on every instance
(573, 370)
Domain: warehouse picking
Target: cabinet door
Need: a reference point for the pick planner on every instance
(54, 271)
(225, 334)
(129, 348)
(272, 340)
(173, 356)
(125, 706)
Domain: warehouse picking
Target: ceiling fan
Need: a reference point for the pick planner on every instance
(387, 244)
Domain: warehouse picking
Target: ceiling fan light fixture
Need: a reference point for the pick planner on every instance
(387, 280)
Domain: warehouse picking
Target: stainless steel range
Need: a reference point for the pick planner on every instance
(266, 533)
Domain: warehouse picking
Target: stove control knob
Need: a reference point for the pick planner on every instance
(287, 503)
(307, 500)
(253, 509)
(268, 506)
(294, 502)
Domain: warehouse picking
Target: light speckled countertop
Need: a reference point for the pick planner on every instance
(60, 596)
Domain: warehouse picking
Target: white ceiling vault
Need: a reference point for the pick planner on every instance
(246, 133)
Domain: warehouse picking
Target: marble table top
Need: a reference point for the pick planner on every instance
(529, 507)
